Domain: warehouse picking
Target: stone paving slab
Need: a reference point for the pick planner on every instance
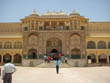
(66, 75)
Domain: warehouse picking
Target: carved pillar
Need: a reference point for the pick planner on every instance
(38, 25)
(34, 25)
(12, 59)
(97, 59)
(1, 59)
(108, 59)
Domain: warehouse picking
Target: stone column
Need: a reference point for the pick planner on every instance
(57, 23)
(50, 25)
(72, 25)
(58, 28)
(12, 59)
(34, 25)
(30, 25)
(1, 59)
(108, 59)
(38, 25)
(97, 59)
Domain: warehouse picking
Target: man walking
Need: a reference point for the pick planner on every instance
(7, 72)
(66, 60)
(57, 66)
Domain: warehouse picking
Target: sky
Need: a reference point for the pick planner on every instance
(95, 10)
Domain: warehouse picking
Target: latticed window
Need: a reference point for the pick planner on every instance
(82, 28)
(18, 45)
(25, 28)
(8, 45)
(101, 45)
(40, 28)
(67, 27)
(91, 45)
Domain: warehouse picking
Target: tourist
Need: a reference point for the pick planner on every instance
(49, 58)
(59, 55)
(45, 58)
(7, 72)
(66, 60)
(57, 66)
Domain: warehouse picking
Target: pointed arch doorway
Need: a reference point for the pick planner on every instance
(53, 47)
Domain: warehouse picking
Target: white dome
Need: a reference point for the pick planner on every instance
(33, 14)
(74, 13)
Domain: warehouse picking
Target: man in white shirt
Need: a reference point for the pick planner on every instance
(7, 72)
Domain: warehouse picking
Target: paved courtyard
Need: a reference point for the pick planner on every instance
(66, 75)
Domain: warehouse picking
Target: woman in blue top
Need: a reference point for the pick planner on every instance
(57, 66)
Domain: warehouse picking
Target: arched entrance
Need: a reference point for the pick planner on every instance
(53, 47)
(102, 58)
(6, 57)
(52, 44)
(92, 57)
(53, 54)
(17, 58)
(32, 53)
(75, 53)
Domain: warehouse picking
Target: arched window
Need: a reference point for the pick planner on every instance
(75, 53)
(17, 58)
(109, 45)
(32, 54)
(102, 58)
(18, 45)
(101, 45)
(6, 57)
(75, 40)
(33, 40)
(91, 45)
(8, 45)
(92, 57)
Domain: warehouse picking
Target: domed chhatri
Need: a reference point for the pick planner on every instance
(54, 13)
(33, 14)
(74, 13)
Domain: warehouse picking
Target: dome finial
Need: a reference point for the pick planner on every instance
(34, 13)
(74, 11)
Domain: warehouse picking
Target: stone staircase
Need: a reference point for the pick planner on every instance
(52, 64)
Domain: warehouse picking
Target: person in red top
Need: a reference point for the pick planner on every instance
(49, 59)
(59, 55)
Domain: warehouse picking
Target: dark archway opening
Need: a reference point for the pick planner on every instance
(17, 58)
(32, 54)
(102, 59)
(54, 51)
(6, 57)
(54, 54)
(92, 57)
